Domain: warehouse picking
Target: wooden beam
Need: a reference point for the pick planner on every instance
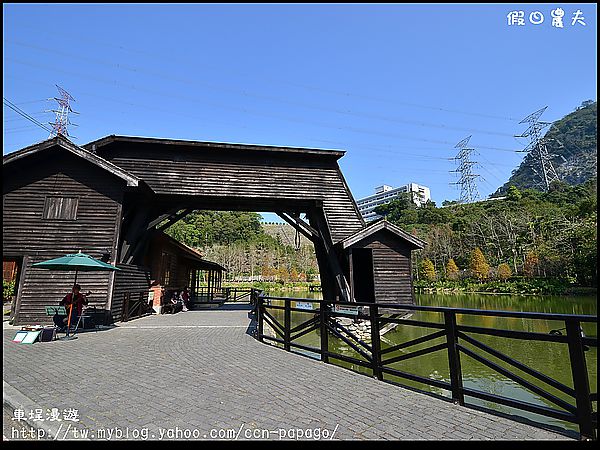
(297, 226)
(134, 230)
(318, 221)
(174, 218)
(163, 217)
(139, 237)
(303, 224)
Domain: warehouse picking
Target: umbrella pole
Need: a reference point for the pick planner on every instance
(71, 308)
(69, 321)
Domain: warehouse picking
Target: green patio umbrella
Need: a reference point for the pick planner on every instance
(78, 262)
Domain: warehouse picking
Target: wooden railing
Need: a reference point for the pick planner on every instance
(454, 337)
(224, 294)
(135, 304)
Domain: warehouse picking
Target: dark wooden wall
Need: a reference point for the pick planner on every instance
(130, 278)
(56, 172)
(251, 178)
(392, 272)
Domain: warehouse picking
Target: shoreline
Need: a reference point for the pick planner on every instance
(574, 291)
(588, 291)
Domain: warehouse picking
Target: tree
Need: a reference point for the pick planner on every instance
(428, 270)
(531, 264)
(450, 202)
(294, 276)
(451, 270)
(480, 269)
(399, 210)
(513, 193)
(504, 272)
(282, 274)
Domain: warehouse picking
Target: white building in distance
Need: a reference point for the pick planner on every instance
(385, 194)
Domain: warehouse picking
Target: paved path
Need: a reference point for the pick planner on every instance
(202, 373)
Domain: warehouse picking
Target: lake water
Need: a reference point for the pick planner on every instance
(551, 359)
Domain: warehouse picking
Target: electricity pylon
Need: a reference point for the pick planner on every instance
(61, 121)
(468, 186)
(540, 159)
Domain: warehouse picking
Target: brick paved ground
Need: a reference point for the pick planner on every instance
(201, 370)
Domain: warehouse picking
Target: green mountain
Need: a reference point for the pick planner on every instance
(571, 142)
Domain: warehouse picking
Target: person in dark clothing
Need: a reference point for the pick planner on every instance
(176, 302)
(185, 298)
(73, 300)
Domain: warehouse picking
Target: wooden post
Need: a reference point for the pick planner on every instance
(375, 341)
(260, 313)
(208, 294)
(581, 382)
(324, 332)
(287, 324)
(125, 312)
(454, 358)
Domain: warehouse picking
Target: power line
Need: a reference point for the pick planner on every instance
(245, 93)
(19, 117)
(24, 114)
(18, 129)
(285, 82)
(33, 101)
(254, 112)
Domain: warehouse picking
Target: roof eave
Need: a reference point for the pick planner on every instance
(97, 144)
(378, 226)
(130, 179)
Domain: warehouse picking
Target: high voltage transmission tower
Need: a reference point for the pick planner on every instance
(61, 121)
(540, 159)
(468, 187)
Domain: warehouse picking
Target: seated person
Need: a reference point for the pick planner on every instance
(75, 300)
(176, 302)
(185, 298)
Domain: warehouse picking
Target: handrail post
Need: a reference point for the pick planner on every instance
(287, 324)
(581, 382)
(259, 313)
(375, 342)
(125, 312)
(454, 358)
(324, 333)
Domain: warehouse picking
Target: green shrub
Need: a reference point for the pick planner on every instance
(8, 290)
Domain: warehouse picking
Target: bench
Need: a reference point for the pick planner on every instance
(53, 310)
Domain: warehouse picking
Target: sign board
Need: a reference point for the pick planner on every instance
(31, 337)
(304, 305)
(19, 336)
(346, 309)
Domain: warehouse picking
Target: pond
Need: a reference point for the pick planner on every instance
(551, 359)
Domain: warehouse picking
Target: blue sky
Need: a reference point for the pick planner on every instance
(396, 86)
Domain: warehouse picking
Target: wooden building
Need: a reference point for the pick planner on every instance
(380, 263)
(57, 199)
(174, 266)
(110, 197)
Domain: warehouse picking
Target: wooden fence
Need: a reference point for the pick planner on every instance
(579, 410)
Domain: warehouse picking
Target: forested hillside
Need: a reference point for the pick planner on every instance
(571, 142)
(530, 233)
(247, 248)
